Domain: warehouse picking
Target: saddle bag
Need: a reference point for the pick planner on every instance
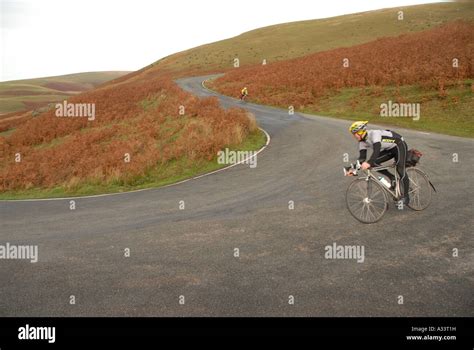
(413, 157)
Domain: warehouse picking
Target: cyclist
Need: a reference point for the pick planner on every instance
(385, 145)
(244, 93)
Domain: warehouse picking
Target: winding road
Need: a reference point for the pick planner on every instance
(281, 251)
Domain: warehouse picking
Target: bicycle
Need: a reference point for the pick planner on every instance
(367, 198)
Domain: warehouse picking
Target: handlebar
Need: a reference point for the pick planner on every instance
(355, 168)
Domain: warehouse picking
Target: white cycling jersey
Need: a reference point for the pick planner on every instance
(386, 138)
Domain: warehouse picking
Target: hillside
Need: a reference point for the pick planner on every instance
(19, 95)
(137, 139)
(289, 40)
(274, 43)
(414, 68)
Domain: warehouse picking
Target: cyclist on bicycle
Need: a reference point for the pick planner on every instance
(244, 93)
(385, 145)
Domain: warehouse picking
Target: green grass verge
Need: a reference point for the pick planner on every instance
(161, 175)
(451, 115)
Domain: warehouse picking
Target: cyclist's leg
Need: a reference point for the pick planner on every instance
(388, 174)
(383, 157)
(401, 157)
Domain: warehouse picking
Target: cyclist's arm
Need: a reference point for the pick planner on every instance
(376, 140)
(362, 155)
(375, 154)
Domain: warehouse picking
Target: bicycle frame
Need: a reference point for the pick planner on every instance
(396, 194)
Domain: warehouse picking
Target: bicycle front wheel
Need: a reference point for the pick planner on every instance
(366, 200)
(419, 189)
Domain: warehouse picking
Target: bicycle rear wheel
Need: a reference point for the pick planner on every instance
(419, 190)
(366, 200)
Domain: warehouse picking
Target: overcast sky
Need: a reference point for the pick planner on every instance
(53, 37)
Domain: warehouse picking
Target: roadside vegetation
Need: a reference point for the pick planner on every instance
(141, 137)
(432, 68)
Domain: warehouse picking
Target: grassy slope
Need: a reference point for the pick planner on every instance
(297, 39)
(292, 82)
(70, 157)
(279, 42)
(289, 40)
(450, 115)
(174, 171)
(18, 95)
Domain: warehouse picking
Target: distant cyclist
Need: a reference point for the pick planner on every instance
(385, 145)
(244, 93)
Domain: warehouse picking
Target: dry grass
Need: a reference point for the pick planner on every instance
(421, 58)
(140, 118)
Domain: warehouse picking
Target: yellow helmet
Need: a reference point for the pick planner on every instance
(358, 127)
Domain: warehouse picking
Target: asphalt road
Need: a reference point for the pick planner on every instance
(190, 252)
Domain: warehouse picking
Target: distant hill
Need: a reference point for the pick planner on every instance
(20, 95)
(296, 39)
